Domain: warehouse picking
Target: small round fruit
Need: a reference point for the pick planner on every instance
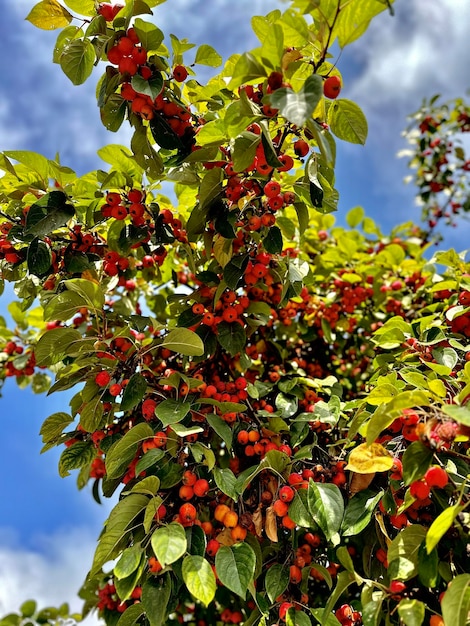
(301, 148)
(332, 87)
(180, 73)
(436, 477)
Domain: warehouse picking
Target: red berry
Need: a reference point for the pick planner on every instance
(180, 73)
(436, 477)
(286, 493)
(332, 87)
(301, 148)
(396, 586)
(102, 379)
(272, 189)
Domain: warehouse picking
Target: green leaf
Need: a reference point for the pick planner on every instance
(122, 452)
(441, 525)
(235, 567)
(49, 15)
(299, 511)
(28, 608)
(199, 578)
(128, 562)
(460, 414)
(386, 413)
(151, 87)
(150, 458)
(403, 552)
(148, 158)
(273, 241)
(54, 426)
(47, 214)
(232, 337)
(91, 415)
(76, 456)
(63, 306)
(113, 112)
(39, 257)
(55, 345)
(347, 121)
(206, 55)
(221, 428)
(456, 601)
(325, 502)
(149, 35)
(359, 511)
(172, 411)
(77, 60)
(298, 107)
(120, 519)
(428, 567)
(244, 150)
(131, 615)
(169, 543)
(133, 392)
(183, 341)
(197, 541)
(247, 68)
(156, 594)
(411, 612)
(276, 580)
(226, 481)
(416, 461)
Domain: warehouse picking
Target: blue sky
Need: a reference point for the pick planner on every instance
(48, 528)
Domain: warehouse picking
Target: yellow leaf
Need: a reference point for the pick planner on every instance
(368, 459)
(49, 15)
(222, 250)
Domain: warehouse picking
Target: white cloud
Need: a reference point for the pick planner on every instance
(421, 51)
(51, 575)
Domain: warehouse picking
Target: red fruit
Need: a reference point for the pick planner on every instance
(102, 379)
(180, 73)
(286, 493)
(148, 408)
(332, 87)
(212, 547)
(127, 65)
(287, 163)
(436, 477)
(187, 513)
(280, 508)
(272, 189)
(295, 574)
(301, 148)
(109, 11)
(115, 389)
(420, 489)
(397, 586)
(464, 298)
(186, 492)
(242, 437)
(201, 487)
(284, 607)
(160, 439)
(113, 199)
(189, 478)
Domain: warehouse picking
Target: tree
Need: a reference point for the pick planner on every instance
(279, 402)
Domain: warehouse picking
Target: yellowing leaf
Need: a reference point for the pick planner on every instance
(222, 250)
(368, 459)
(49, 15)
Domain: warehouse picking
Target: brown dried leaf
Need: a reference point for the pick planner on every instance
(257, 519)
(271, 525)
(359, 482)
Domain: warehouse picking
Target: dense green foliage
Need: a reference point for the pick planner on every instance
(280, 402)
